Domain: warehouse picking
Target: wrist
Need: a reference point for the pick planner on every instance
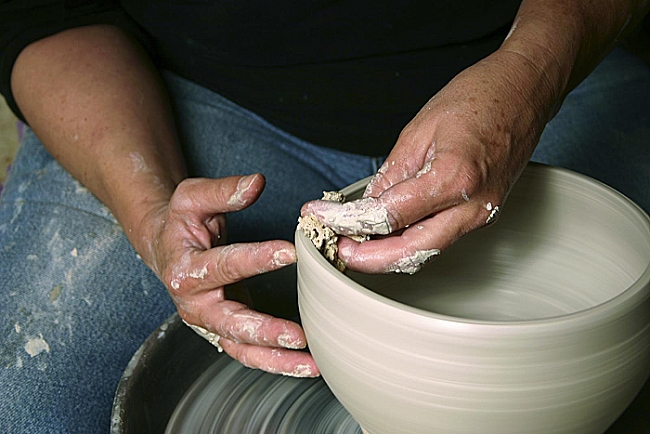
(551, 40)
(536, 86)
(139, 207)
(143, 228)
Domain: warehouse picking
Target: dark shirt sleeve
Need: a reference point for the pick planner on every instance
(25, 21)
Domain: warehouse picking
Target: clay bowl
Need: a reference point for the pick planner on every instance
(538, 324)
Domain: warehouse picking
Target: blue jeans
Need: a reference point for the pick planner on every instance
(76, 302)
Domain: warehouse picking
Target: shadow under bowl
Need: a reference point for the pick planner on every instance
(537, 324)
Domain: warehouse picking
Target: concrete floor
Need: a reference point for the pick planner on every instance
(8, 138)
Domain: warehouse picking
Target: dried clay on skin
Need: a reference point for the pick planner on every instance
(324, 237)
(362, 216)
(243, 185)
(213, 338)
(413, 263)
(300, 371)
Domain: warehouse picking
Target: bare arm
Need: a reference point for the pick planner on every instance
(565, 40)
(97, 104)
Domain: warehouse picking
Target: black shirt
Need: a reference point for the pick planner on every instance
(342, 74)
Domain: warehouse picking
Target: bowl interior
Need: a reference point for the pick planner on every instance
(563, 243)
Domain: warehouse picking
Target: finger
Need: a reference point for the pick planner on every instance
(414, 150)
(369, 215)
(437, 186)
(206, 197)
(417, 245)
(200, 270)
(364, 216)
(236, 321)
(403, 163)
(273, 360)
(402, 204)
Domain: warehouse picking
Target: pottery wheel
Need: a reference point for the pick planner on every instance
(178, 383)
(229, 398)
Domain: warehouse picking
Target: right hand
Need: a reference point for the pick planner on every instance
(184, 246)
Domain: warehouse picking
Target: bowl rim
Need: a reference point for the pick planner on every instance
(590, 314)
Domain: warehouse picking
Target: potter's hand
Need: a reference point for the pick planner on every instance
(186, 252)
(448, 174)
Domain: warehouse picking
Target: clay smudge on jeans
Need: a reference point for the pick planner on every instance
(55, 293)
(17, 210)
(36, 346)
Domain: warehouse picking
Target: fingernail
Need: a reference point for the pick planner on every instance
(284, 257)
(316, 207)
(243, 186)
(345, 252)
(287, 341)
(300, 371)
(413, 263)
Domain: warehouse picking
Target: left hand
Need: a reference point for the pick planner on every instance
(184, 244)
(450, 170)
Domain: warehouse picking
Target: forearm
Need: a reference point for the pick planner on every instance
(98, 106)
(562, 41)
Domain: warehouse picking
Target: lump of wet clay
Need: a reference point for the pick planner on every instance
(324, 237)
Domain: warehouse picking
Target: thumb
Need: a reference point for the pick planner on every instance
(207, 196)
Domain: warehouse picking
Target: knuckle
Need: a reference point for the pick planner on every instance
(407, 133)
(235, 351)
(182, 188)
(172, 280)
(181, 199)
(469, 178)
(238, 352)
(227, 267)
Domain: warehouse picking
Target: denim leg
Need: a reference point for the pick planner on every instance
(233, 141)
(76, 302)
(603, 128)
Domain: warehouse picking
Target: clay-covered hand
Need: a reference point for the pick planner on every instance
(449, 172)
(184, 248)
